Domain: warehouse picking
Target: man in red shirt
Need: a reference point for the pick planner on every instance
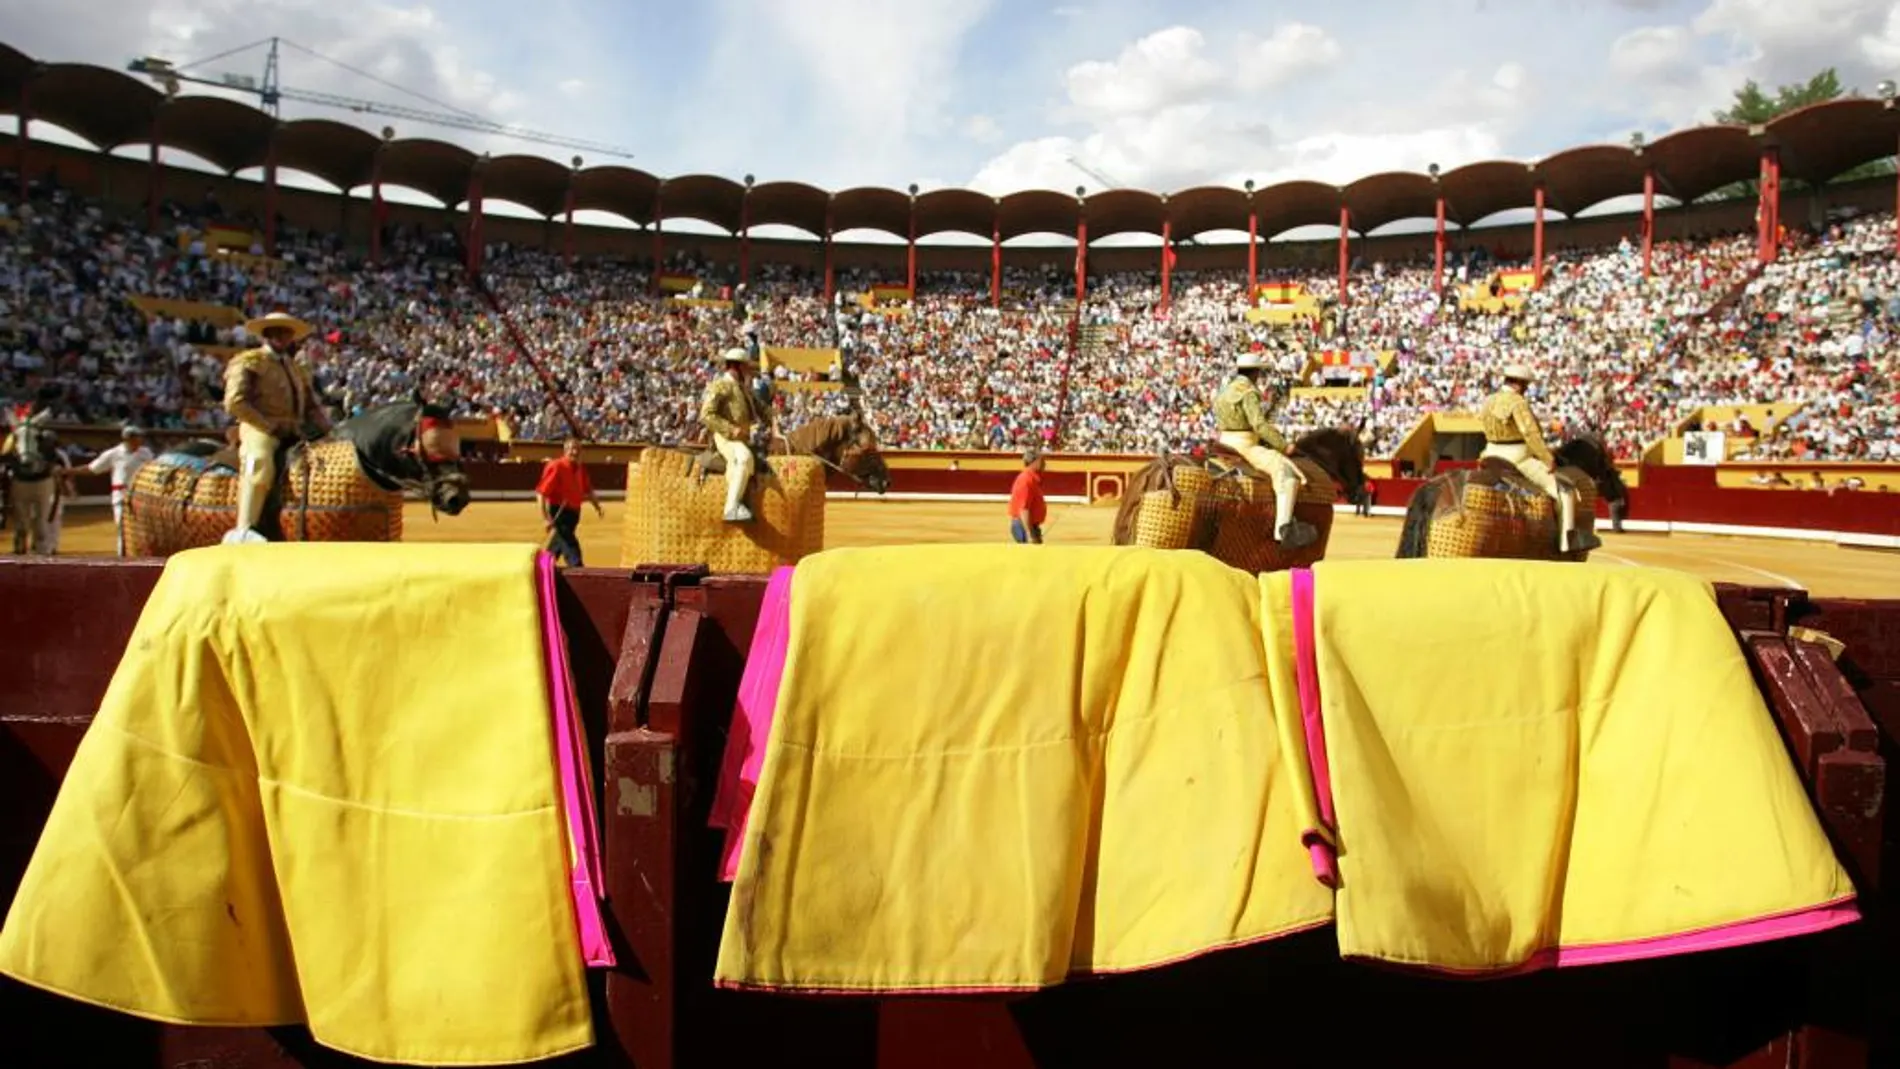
(1027, 509)
(563, 489)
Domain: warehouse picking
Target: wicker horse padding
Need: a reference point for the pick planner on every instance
(1229, 516)
(1493, 511)
(676, 517)
(179, 502)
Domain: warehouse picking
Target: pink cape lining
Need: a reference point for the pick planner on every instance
(752, 714)
(1319, 846)
(758, 701)
(577, 795)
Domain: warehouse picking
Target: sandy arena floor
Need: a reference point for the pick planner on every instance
(1821, 569)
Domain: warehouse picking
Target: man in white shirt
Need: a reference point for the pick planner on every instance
(123, 461)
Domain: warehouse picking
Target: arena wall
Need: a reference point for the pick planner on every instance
(1663, 499)
(125, 180)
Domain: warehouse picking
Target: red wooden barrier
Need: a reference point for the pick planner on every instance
(657, 659)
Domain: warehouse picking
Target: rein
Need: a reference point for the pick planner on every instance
(425, 486)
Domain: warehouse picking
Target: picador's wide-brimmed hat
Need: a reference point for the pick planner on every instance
(1518, 373)
(1249, 362)
(737, 355)
(278, 321)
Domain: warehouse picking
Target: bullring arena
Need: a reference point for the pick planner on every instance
(1820, 568)
(945, 801)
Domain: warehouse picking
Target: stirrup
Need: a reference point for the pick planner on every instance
(1297, 534)
(1583, 541)
(739, 514)
(243, 536)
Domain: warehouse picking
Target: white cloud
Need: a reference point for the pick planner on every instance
(1680, 74)
(982, 128)
(434, 57)
(1291, 52)
(1165, 68)
(1164, 115)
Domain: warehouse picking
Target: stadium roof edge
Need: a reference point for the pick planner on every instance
(111, 109)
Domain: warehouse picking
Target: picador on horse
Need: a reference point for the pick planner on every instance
(1511, 434)
(740, 426)
(1241, 416)
(275, 403)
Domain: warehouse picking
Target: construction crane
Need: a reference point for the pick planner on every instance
(1110, 183)
(271, 94)
(1106, 181)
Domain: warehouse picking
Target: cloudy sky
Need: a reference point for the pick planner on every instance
(1002, 95)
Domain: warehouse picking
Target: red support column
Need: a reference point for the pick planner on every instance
(1774, 205)
(475, 220)
(910, 252)
(1253, 245)
(1345, 260)
(26, 135)
(1649, 217)
(1438, 247)
(567, 228)
(155, 183)
(1761, 210)
(1253, 255)
(996, 266)
(659, 243)
(270, 196)
(378, 208)
(1081, 263)
(828, 274)
(1167, 265)
(1537, 239)
(745, 231)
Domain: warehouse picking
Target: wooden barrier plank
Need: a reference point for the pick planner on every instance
(1807, 722)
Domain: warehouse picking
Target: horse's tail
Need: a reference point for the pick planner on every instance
(1416, 534)
(1152, 476)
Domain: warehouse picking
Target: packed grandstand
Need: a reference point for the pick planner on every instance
(1633, 357)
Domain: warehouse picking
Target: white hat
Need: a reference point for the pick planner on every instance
(1518, 373)
(278, 321)
(1249, 362)
(738, 355)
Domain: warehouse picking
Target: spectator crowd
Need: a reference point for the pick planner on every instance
(1811, 335)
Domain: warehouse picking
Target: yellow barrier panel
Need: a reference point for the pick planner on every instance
(702, 302)
(677, 283)
(890, 293)
(245, 259)
(798, 358)
(218, 315)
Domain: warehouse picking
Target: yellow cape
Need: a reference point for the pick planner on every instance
(1533, 759)
(321, 788)
(992, 767)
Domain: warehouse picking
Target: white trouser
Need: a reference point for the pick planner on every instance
(118, 521)
(738, 468)
(257, 471)
(1279, 469)
(1518, 455)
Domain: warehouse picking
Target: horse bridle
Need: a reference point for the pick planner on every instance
(431, 466)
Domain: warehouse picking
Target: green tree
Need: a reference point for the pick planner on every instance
(1754, 106)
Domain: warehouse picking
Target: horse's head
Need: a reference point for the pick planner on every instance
(1338, 453)
(1587, 452)
(413, 447)
(858, 456)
